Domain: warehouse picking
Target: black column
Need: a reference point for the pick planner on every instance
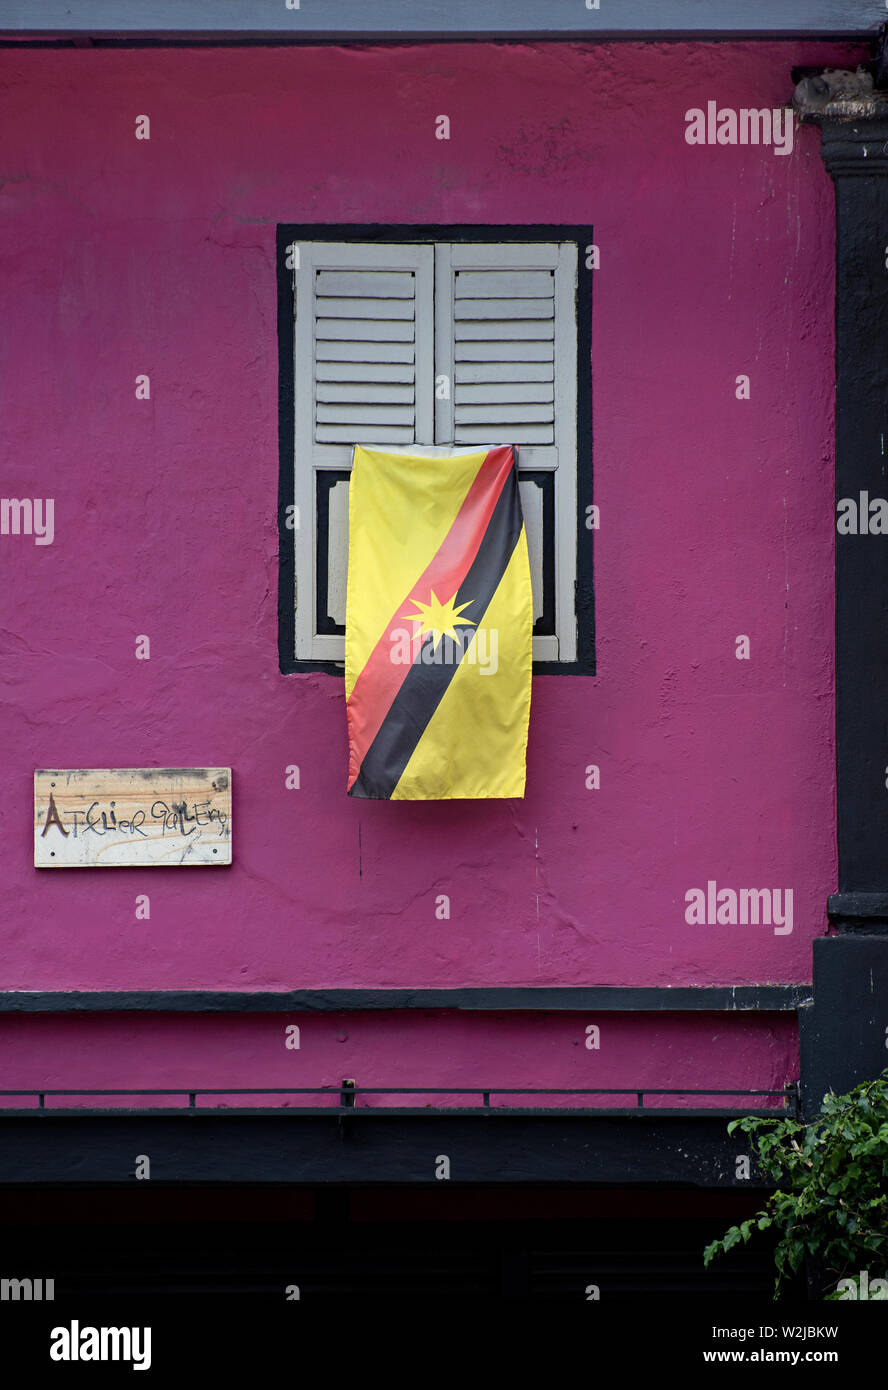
(843, 1034)
(856, 155)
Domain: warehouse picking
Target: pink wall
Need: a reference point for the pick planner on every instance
(397, 1049)
(120, 257)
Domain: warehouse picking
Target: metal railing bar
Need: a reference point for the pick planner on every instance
(348, 1094)
(397, 1090)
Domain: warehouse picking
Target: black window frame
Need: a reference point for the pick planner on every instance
(426, 233)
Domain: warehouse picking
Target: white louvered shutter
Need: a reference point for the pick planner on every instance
(505, 336)
(364, 374)
(376, 325)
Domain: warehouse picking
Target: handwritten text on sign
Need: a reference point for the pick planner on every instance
(104, 817)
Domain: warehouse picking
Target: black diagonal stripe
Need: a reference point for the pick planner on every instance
(424, 686)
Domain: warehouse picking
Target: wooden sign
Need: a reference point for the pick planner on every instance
(96, 818)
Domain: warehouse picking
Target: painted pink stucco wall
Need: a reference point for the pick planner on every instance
(120, 257)
(396, 1049)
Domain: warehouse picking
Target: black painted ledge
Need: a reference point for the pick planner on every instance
(688, 1150)
(858, 912)
(531, 999)
(854, 904)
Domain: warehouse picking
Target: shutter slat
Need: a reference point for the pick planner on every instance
(517, 284)
(505, 352)
(365, 331)
(521, 256)
(355, 415)
(365, 352)
(502, 414)
(503, 393)
(391, 284)
(360, 330)
(364, 434)
(479, 309)
(491, 434)
(492, 331)
(374, 393)
(504, 371)
(365, 371)
(365, 308)
(504, 317)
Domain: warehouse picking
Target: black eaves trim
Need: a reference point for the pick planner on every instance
(534, 999)
(385, 20)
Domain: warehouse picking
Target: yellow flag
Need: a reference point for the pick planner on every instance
(439, 616)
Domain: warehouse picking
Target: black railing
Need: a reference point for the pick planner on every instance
(349, 1094)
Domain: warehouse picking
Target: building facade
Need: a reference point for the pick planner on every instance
(508, 1012)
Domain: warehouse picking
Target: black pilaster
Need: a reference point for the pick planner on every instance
(856, 155)
(843, 1033)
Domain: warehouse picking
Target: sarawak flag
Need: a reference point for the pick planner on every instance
(438, 625)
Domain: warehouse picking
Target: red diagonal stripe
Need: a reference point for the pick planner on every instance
(381, 678)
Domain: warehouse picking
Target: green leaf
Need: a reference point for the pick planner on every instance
(796, 1253)
(831, 1180)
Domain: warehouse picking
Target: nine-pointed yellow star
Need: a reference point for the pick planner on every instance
(439, 618)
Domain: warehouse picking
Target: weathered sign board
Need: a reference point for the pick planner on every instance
(95, 818)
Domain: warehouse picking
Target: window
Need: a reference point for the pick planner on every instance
(433, 339)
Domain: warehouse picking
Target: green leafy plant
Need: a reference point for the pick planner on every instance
(832, 1202)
